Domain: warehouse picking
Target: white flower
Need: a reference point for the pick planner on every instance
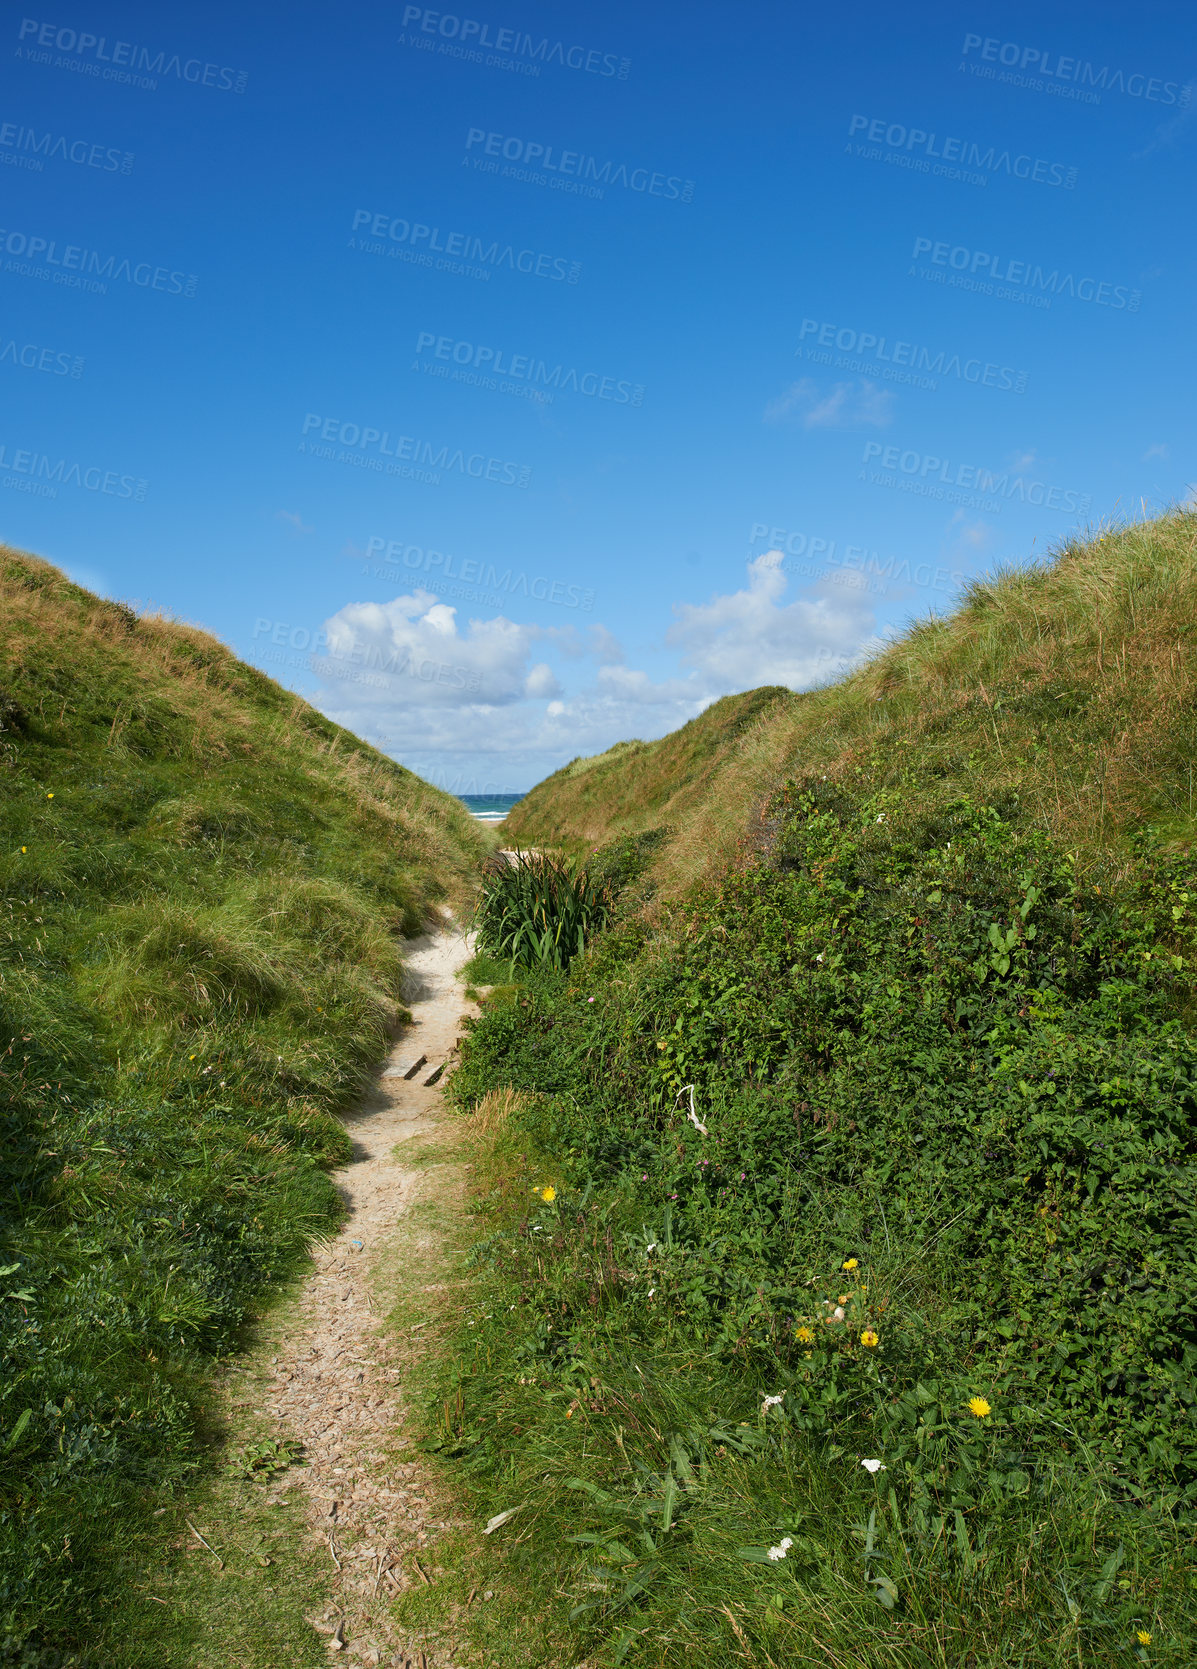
(782, 1548)
(652, 1247)
(881, 819)
(651, 1290)
(874, 1466)
(819, 958)
(773, 1402)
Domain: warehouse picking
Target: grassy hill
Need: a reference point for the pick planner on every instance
(637, 786)
(1071, 682)
(204, 887)
(837, 1301)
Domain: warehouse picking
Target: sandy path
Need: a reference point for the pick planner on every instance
(338, 1374)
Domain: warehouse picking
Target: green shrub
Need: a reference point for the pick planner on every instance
(537, 909)
(948, 1092)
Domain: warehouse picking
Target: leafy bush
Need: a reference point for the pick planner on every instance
(538, 909)
(942, 1213)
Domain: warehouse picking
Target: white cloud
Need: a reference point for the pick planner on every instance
(408, 654)
(1159, 450)
(752, 637)
(405, 675)
(849, 405)
(294, 520)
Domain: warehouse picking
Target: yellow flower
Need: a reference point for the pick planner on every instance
(49, 796)
(1143, 1636)
(24, 848)
(868, 1338)
(549, 1194)
(803, 1335)
(844, 1298)
(979, 1407)
(849, 1263)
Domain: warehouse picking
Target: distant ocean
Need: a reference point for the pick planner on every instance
(489, 808)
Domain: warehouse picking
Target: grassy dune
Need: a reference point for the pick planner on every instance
(845, 1202)
(1070, 683)
(204, 887)
(636, 786)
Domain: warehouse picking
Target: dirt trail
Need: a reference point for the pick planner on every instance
(338, 1373)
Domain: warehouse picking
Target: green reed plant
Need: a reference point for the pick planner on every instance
(539, 910)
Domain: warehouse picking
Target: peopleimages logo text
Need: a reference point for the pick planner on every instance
(576, 165)
(94, 50)
(77, 265)
(912, 361)
(37, 473)
(942, 471)
(83, 152)
(980, 263)
(472, 32)
(414, 234)
(377, 443)
(527, 368)
(1037, 60)
(917, 142)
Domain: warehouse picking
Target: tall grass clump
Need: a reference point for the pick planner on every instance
(204, 887)
(539, 910)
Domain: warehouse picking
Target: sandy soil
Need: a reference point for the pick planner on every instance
(339, 1369)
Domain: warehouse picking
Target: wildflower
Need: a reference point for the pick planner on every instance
(869, 1339)
(803, 1335)
(651, 1247)
(849, 1263)
(24, 848)
(590, 999)
(651, 1291)
(548, 1194)
(979, 1407)
(819, 958)
(844, 1298)
(50, 797)
(661, 1044)
(874, 1466)
(782, 1548)
(773, 1402)
(1142, 1635)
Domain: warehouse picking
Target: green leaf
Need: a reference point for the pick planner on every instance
(14, 1435)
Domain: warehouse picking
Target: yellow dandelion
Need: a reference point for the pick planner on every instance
(24, 848)
(868, 1338)
(548, 1194)
(49, 796)
(849, 1263)
(1143, 1636)
(803, 1335)
(979, 1407)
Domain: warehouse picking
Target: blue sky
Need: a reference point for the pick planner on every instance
(507, 414)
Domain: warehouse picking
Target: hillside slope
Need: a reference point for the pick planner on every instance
(868, 1165)
(204, 887)
(638, 786)
(1072, 682)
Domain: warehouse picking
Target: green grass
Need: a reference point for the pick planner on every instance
(539, 909)
(636, 786)
(1071, 681)
(204, 886)
(937, 1023)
